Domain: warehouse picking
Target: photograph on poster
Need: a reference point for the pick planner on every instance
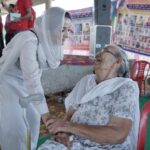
(132, 31)
(78, 41)
(132, 28)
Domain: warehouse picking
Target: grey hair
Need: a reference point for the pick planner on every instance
(123, 70)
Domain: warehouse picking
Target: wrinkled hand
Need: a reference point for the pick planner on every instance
(50, 121)
(47, 119)
(58, 126)
(63, 138)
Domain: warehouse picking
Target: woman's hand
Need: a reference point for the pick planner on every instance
(47, 119)
(58, 126)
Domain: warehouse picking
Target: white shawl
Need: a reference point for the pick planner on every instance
(86, 90)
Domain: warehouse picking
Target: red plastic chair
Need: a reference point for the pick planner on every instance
(139, 73)
(143, 126)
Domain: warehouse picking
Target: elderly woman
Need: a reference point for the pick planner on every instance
(102, 110)
(21, 66)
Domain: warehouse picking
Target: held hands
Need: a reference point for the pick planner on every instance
(56, 125)
(59, 128)
(63, 138)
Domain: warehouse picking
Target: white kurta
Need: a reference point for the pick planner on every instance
(23, 79)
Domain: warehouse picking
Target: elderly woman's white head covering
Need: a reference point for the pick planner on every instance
(48, 28)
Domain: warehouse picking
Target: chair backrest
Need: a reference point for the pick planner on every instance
(143, 125)
(138, 70)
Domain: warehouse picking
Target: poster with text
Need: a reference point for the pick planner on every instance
(132, 29)
(78, 41)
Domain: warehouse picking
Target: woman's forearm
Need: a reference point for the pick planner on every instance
(98, 134)
(115, 132)
(28, 14)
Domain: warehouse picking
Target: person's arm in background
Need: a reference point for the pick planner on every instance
(27, 5)
(28, 14)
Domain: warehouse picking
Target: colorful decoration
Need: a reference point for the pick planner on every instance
(132, 29)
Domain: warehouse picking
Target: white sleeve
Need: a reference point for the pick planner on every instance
(32, 73)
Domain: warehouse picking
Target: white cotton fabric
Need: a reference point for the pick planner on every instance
(101, 89)
(21, 80)
(20, 75)
(122, 102)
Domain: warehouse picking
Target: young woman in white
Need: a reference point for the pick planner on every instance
(21, 67)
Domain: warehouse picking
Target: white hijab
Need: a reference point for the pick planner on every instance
(48, 28)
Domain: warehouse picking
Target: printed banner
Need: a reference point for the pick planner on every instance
(138, 4)
(137, 1)
(132, 30)
(78, 41)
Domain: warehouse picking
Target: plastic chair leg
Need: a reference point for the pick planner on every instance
(140, 87)
(144, 87)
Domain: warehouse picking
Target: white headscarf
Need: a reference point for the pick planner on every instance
(48, 28)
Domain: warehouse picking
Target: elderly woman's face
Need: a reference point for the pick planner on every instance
(66, 29)
(105, 61)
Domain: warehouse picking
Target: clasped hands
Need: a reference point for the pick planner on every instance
(59, 130)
